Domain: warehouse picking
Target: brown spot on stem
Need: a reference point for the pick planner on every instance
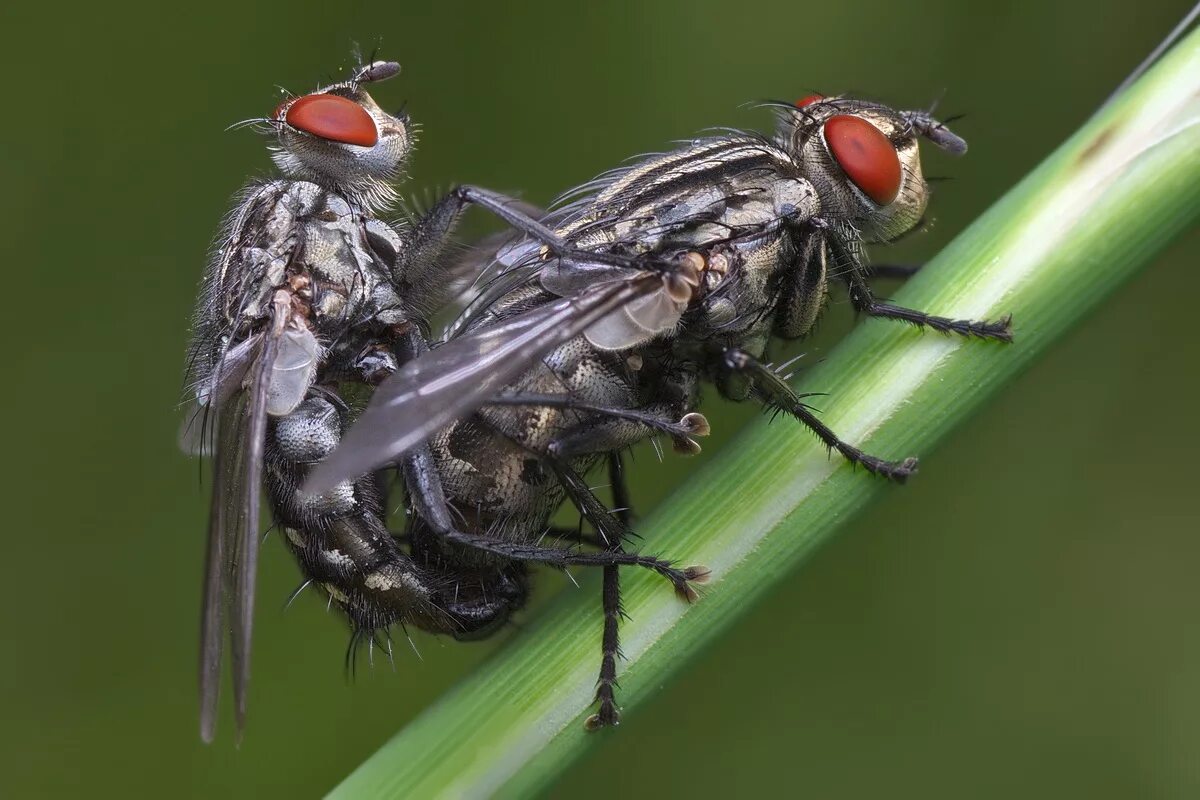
(1097, 145)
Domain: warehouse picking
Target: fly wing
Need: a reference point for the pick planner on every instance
(292, 371)
(233, 537)
(224, 419)
(565, 277)
(457, 378)
(197, 434)
(637, 322)
(247, 538)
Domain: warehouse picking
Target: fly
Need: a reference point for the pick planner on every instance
(734, 241)
(309, 301)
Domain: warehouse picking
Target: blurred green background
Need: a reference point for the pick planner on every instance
(1019, 621)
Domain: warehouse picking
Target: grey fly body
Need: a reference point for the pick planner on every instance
(561, 364)
(309, 294)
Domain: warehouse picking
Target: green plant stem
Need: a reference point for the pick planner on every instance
(1068, 235)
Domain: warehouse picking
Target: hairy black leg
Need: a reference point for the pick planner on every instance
(681, 431)
(614, 532)
(679, 578)
(610, 643)
(430, 503)
(432, 232)
(427, 243)
(854, 273)
(512, 211)
(775, 392)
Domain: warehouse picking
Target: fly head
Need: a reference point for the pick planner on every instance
(864, 161)
(340, 138)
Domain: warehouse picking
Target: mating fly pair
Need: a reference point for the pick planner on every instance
(564, 362)
(310, 300)
(665, 274)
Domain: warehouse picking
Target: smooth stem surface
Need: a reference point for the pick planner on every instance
(1069, 234)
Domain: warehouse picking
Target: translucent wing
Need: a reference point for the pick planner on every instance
(224, 421)
(197, 434)
(455, 379)
(293, 370)
(231, 563)
(567, 277)
(639, 321)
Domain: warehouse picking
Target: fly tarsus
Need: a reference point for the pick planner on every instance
(855, 272)
(999, 330)
(775, 392)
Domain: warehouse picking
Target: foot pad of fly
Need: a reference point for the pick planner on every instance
(693, 424)
(693, 574)
(902, 471)
(604, 718)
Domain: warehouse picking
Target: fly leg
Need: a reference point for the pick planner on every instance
(614, 529)
(421, 257)
(855, 275)
(610, 429)
(610, 643)
(479, 613)
(430, 503)
(615, 429)
(618, 427)
(513, 212)
(776, 393)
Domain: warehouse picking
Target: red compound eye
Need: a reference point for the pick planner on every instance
(334, 118)
(865, 155)
(809, 99)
